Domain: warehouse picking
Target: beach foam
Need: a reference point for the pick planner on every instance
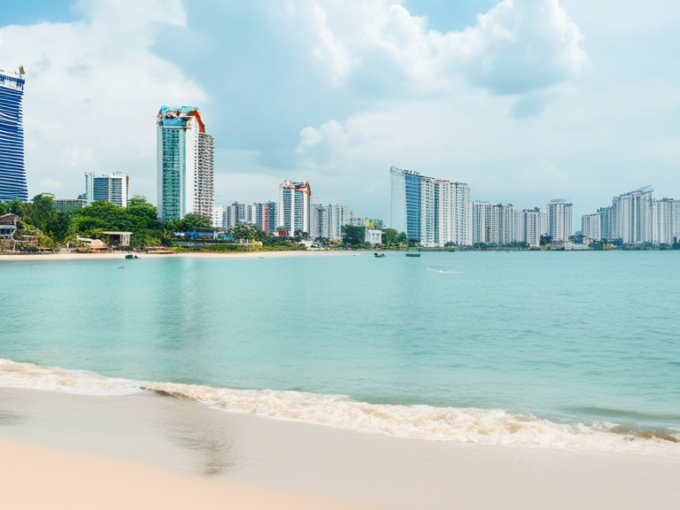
(491, 427)
(442, 271)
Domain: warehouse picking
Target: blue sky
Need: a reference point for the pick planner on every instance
(525, 100)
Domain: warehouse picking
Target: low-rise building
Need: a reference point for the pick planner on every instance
(373, 237)
(68, 204)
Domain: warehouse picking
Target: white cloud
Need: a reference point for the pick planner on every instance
(516, 47)
(331, 48)
(325, 145)
(93, 88)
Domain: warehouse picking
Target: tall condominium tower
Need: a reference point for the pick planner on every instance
(632, 216)
(12, 171)
(327, 221)
(606, 215)
(665, 221)
(433, 212)
(294, 206)
(185, 162)
(267, 219)
(114, 188)
(591, 226)
(501, 225)
(481, 219)
(531, 219)
(560, 220)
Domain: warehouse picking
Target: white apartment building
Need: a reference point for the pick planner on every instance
(665, 221)
(481, 217)
(327, 221)
(113, 188)
(373, 237)
(591, 226)
(217, 217)
(531, 220)
(500, 229)
(185, 164)
(518, 227)
(560, 220)
(632, 216)
(294, 206)
(433, 212)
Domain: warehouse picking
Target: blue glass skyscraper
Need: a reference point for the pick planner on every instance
(12, 171)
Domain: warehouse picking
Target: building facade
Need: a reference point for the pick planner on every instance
(665, 221)
(185, 164)
(113, 188)
(13, 184)
(326, 221)
(294, 207)
(432, 212)
(217, 216)
(532, 226)
(591, 226)
(373, 237)
(606, 215)
(560, 221)
(632, 216)
(481, 219)
(68, 204)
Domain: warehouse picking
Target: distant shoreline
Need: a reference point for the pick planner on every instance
(32, 257)
(26, 257)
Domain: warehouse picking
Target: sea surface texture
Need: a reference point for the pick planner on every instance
(565, 350)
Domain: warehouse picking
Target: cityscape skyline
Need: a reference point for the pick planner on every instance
(592, 125)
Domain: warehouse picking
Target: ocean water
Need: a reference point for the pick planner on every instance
(566, 350)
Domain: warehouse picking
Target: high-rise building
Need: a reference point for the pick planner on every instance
(606, 222)
(327, 221)
(560, 220)
(433, 212)
(591, 226)
(531, 219)
(294, 207)
(632, 216)
(113, 188)
(235, 214)
(501, 229)
(481, 218)
(267, 217)
(519, 234)
(665, 221)
(185, 162)
(89, 188)
(12, 170)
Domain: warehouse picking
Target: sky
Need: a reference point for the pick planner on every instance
(524, 100)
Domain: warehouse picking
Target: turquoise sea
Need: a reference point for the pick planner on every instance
(484, 347)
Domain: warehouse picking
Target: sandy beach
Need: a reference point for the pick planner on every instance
(30, 257)
(162, 451)
(68, 480)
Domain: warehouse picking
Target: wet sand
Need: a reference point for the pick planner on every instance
(159, 436)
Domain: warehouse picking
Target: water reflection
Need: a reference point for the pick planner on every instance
(204, 432)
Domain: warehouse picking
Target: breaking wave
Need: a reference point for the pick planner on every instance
(491, 427)
(442, 271)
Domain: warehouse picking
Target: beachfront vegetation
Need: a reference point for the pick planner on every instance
(53, 229)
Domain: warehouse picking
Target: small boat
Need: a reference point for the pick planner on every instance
(413, 254)
(131, 256)
(379, 255)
